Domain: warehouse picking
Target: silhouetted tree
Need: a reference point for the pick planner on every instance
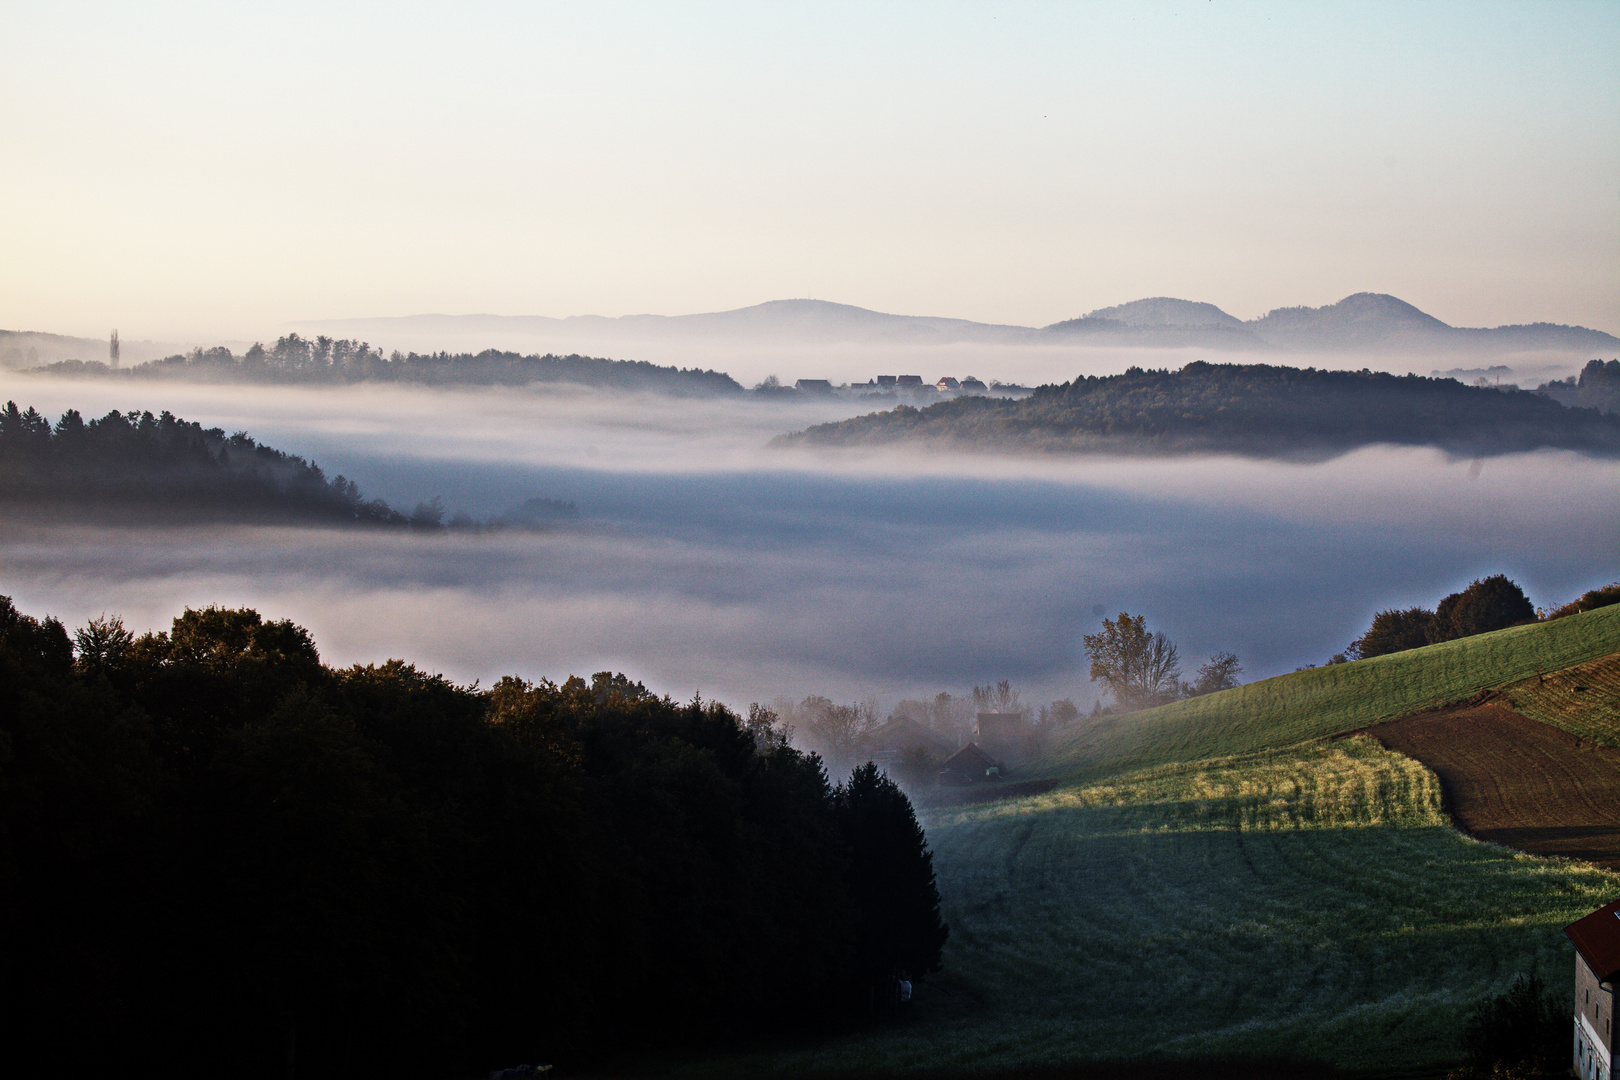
(1221, 673)
(1000, 698)
(1396, 631)
(1139, 668)
(899, 931)
(1523, 1032)
(1590, 600)
(1492, 603)
(231, 859)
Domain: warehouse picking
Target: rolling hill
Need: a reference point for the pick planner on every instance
(1258, 410)
(1243, 874)
(1319, 702)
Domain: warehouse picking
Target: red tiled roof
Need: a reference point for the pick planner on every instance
(1597, 939)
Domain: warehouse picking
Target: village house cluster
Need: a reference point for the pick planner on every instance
(998, 741)
(910, 384)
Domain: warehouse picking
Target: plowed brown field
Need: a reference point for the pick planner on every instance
(1513, 781)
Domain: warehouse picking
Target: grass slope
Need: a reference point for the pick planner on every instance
(1584, 700)
(1291, 709)
(1306, 902)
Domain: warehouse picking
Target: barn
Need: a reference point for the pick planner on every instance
(1003, 735)
(968, 765)
(1597, 964)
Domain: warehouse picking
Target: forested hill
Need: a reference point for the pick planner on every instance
(294, 359)
(163, 463)
(221, 857)
(1257, 410)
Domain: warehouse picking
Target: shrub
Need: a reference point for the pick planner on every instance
(1588, 601)
(1396, 631)
(1520, 1033)
(1492, 603)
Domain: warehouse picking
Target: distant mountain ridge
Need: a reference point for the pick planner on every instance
(1360, 322)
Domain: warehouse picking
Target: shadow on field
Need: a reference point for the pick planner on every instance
(983, 792)
(1167, 1069)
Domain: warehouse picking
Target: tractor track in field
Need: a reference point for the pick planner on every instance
(1515, 781)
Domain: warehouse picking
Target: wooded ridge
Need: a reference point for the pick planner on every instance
(1259, 410)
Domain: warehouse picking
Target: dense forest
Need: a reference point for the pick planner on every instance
(294, 359)
(1254, 409)
(137, 460)
(220, 856)
(1596, 386)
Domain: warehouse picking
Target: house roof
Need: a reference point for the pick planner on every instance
(970, 759)
(1597, 939)
(903, 733)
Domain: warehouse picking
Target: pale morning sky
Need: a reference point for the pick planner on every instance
(192, 170)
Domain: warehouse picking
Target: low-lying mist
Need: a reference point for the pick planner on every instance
(706, 562)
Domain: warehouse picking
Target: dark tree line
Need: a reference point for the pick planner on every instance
(219, 856)
(295, 359)
(1258, 409)
(1492, 603)
(138, 459)
(1597, 386)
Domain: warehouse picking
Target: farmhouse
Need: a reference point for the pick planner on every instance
(946, 384)
(1597, 964)
(1003, 735)
(902, 734)
(968, 765)
(814, 386)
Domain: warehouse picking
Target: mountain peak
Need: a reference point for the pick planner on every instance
(1166, 311)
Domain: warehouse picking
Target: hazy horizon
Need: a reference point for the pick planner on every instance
(191, 173)
(707, 562)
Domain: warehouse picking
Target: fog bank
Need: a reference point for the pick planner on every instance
(707, 562)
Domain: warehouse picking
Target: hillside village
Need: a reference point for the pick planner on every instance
(907, 387)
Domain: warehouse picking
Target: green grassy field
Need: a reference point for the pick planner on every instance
(1291, 709)
(1583, 700)
(1217, 877)
(1309, 902)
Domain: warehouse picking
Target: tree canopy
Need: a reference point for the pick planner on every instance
(219, 855)
(1491, 603)
(138, 459)
(1139, 668)
(138, 462)
(1261, 410)
(296, 359)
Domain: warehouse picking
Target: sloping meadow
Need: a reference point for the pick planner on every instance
(1319, 702)
(1224, 877)
(1310, 903)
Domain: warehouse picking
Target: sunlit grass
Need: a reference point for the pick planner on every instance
(1292, 709)
(1348, 783)
(1308, 902)
(1584, 699)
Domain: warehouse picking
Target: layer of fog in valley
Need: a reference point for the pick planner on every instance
(705, 562)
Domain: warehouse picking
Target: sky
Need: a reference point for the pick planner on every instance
(196, 172)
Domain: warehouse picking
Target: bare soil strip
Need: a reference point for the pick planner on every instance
(1513, 781)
